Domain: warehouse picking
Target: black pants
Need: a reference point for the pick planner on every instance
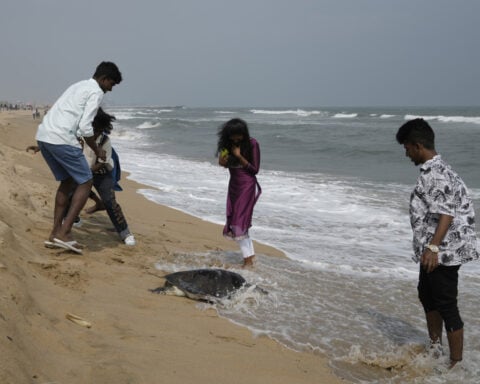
(104, 185)
(438, 291)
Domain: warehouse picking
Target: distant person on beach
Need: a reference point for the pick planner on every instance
(240, 153)
(69, 118)
(104, 179)
(443, 222)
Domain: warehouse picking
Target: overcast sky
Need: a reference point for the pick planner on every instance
(246, 52)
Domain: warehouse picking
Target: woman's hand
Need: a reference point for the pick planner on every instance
(236, 151)
(223, 160)
(101, 154)
(98, 166)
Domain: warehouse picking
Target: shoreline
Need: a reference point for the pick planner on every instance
(135, 337)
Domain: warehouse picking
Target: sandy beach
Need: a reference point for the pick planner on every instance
(135, 336)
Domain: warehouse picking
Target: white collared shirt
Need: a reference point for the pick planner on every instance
(72, 114)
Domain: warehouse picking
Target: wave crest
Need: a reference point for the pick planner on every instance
(446, 119)
(298, 112)
(148, 125)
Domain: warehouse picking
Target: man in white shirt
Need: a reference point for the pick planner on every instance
(69, 119)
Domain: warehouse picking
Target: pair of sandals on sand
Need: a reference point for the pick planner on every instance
(68, 245)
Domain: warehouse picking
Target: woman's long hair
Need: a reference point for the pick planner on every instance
(234, 127)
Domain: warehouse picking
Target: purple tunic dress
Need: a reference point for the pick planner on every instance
(243, 193)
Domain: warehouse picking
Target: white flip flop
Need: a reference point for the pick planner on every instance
(67, 245)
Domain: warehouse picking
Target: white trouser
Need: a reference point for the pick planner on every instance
(246, 246)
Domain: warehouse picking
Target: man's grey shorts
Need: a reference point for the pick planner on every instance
(66, 161)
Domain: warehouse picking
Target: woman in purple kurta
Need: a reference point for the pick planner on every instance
(241, 155)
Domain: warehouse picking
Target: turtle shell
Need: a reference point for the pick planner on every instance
(200, 283)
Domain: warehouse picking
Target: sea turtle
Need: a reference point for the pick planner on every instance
(202, 284)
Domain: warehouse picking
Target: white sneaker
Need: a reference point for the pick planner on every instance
(130, 240)
(78, 222)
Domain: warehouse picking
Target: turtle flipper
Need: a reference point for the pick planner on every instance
(159, 290)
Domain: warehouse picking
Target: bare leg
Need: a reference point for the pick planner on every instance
(435, 326)
(61, 204)
(248, 261)
(455, 343)
(62, 230)
(248, 253)
(99, 206)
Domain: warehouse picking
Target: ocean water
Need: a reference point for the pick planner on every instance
(336, 189)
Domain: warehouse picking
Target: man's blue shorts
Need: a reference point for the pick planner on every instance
(66, 161)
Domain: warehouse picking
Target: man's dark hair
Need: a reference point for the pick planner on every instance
(416, 131)
(103, 121)
(109, 70)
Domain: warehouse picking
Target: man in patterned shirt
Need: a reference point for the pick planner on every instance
(443, 223)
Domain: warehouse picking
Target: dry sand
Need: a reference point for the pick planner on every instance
(136, 336)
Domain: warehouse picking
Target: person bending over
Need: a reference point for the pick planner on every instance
(103, 179)
(57, 136)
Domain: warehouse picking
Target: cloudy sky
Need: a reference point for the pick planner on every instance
(246, 52)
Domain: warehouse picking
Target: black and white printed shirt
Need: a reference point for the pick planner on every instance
(439, 190)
